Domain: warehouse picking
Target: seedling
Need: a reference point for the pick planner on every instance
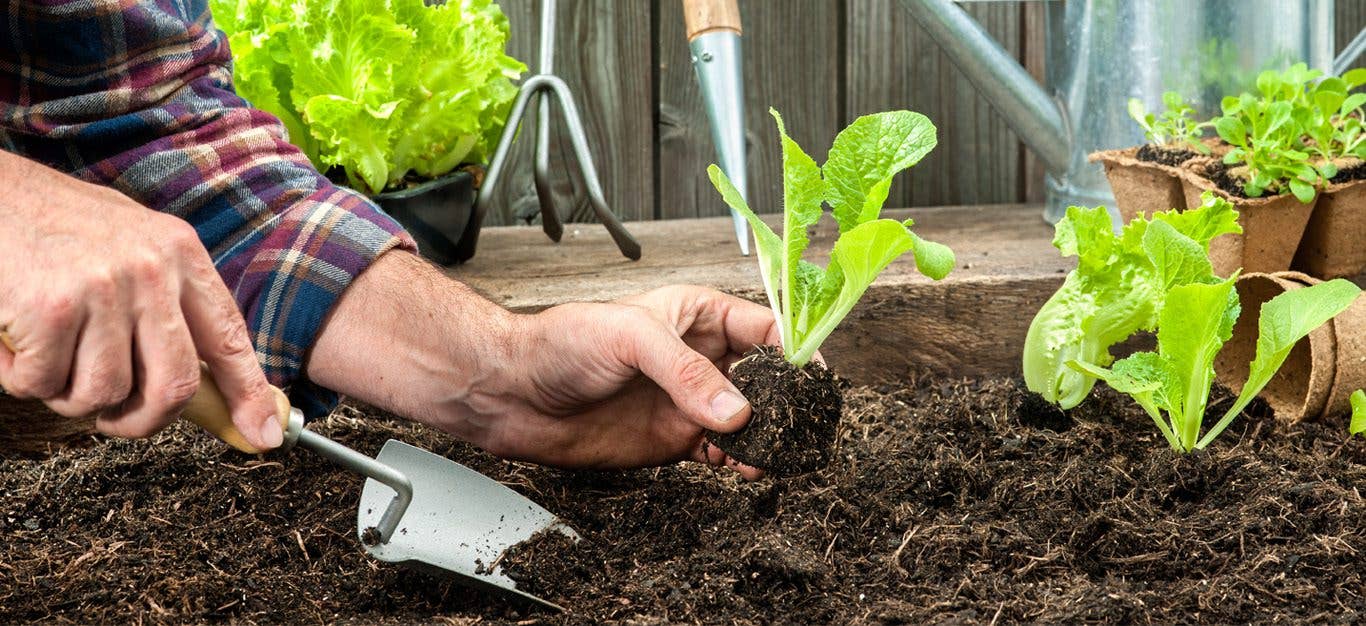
(1358, 424)
(797, 403)
(1116, 290)
(1173, 383)
(809, 301)
(1175, 128)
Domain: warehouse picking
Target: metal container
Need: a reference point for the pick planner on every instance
(437, 214)
(1100, 53)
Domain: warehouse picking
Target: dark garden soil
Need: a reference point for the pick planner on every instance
(950, 502)
(1166, 156)
(1218, 173)
(795, 416)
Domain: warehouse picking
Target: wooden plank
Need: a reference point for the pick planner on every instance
(972, 323)
(791, 62)
(1349, 17)
(1033, 52)
(893, 64)
(603, 53)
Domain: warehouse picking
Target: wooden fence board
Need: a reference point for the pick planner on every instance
(1348, 20)
(792, 62)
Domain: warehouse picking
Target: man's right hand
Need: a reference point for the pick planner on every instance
(111, 306)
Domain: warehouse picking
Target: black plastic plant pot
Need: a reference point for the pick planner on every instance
(437, 213)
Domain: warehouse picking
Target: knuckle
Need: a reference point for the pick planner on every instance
(106, 386)
(180, 235)
(32, 383)
(693, 371)
(168, 398)
(233, 340)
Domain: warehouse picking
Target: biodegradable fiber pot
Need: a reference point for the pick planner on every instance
(1334, 243)
(436, 213)
(1140, 187)
(1272, 225)
(1322, 370)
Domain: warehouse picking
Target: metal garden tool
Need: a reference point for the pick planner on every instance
(417, 509)
(544, 86)
(714, 39)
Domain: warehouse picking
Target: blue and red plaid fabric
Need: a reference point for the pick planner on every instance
(138, 96)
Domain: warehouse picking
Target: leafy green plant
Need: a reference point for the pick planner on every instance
(1173, 383)
(378, 88)
(809, 301)
(1358, 423)
(1117, 289)
(1265, 136)
(1174, 128)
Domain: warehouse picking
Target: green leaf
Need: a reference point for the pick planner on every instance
(934, 260)
(1194, 323)
(769, 247)
(1176, 258)
(1358, 424)
(1284, 321)
(864, 158)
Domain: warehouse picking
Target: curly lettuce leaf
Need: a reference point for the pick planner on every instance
(1116, 290)
(379, 89)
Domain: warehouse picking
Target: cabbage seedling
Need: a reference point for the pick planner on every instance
(1173, 383)
(809, 301)
(1116, 290)
(797, 403)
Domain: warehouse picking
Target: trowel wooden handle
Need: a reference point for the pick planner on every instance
(708, 16)
(209, 409)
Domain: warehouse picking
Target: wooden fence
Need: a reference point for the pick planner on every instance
(820, 62)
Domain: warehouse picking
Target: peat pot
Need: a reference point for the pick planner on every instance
(1272, 226)
(1322, 370)
(437, 214)
(1334, 243)
(1141, 187)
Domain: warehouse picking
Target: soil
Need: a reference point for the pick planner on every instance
(1219, 174)
(1354, 172)
(947, 502)
(1166, 156)
(796, 412)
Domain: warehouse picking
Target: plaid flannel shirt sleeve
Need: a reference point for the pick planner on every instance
(138, 96)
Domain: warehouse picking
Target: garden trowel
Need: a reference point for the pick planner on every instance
(417, 508)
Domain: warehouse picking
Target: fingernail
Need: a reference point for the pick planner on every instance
(271, 433)
(726, 404)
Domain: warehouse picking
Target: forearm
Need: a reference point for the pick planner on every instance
(408, 339)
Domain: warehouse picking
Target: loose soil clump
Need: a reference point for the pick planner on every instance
(1166, 156)
(795, 413)
(944, 503)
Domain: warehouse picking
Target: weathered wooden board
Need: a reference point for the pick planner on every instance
(792, 62)
(604, 54)
(893, 64)
(971, 323)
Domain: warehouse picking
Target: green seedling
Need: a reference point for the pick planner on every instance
(1174, 128)
(1173, 383)
(1116, 290)
(1358, 423)
(809, 301)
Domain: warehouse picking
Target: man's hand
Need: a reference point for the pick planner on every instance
(625, 384)
(111, 306)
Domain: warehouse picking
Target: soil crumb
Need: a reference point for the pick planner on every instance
(943, 504)
(1164, 155)
(796, 414)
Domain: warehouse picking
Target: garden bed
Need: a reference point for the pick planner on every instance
(948, 501)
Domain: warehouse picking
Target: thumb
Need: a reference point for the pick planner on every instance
(692, 381)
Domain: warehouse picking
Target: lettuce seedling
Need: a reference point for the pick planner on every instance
(1175, 128)
(1173, 383)
(809, 301)
(1116, 290)
(1358, 423)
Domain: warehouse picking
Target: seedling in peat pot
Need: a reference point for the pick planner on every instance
(1175, 129)
(796, 403)
(1116, 290)
(1195, 321)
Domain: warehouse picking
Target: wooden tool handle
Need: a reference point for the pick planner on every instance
(707, 16)
(209, 409)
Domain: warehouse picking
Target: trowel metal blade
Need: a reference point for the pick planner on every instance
(459, 522)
